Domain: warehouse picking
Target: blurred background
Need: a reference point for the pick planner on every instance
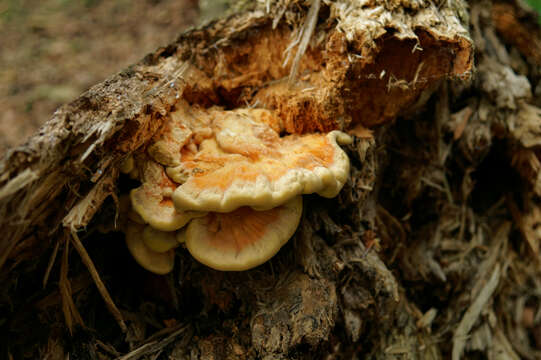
(53, 50)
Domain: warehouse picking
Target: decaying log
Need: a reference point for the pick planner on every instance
(411, 259)
(365, 66)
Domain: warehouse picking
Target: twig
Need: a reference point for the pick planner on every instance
(97, 280)
(50, 264)
(307, 31)
(154, 345)
(68, 306)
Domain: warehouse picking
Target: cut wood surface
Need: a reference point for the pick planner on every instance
(430, 250)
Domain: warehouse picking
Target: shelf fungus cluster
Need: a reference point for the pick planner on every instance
(227, 185)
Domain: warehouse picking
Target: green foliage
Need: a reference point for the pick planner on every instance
(536, 4)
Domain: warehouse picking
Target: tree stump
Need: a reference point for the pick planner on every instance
(430, 251)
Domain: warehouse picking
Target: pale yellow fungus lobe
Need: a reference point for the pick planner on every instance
(244, 238)
(180, 235)
(152, 200)
(157, 262)
(247, 163)
(159, 241)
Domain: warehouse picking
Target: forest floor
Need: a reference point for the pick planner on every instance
(53, 50)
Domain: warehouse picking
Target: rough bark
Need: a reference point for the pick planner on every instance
(422, 254)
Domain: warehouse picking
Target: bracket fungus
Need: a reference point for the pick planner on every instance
(159, 241)
(157, 262)
(243, 238)
(152, 200)
(247, 163)
(228, 186)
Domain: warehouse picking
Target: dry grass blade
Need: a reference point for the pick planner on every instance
(157, 345)
(50, 264)
(473, 312)
(71, 314)
(307, 32)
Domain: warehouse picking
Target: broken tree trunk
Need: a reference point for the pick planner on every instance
(430, 250)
